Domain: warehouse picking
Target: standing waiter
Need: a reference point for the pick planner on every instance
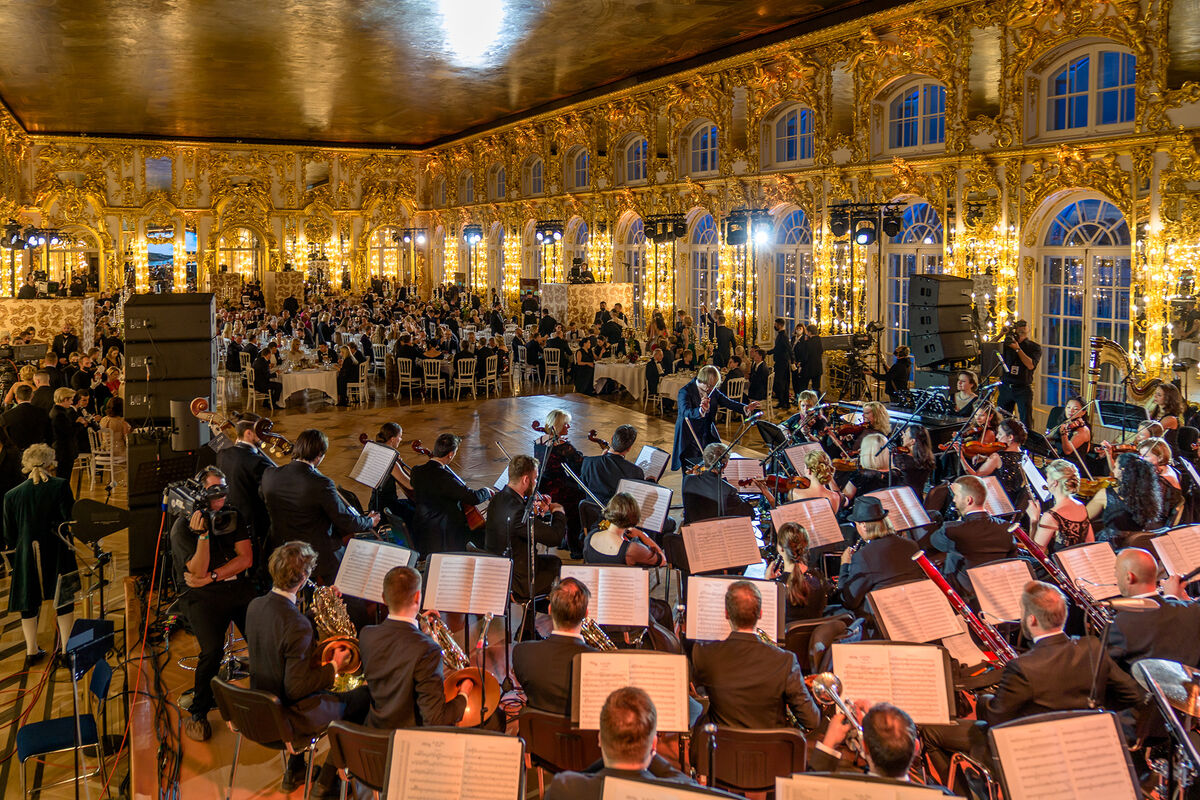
(783, 365)
(1020, 355)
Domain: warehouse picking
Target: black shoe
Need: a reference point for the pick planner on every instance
(292, 778)
(327, 785)
(197, 729)
(36, 658)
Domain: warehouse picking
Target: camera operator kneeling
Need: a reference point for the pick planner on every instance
(212, 554)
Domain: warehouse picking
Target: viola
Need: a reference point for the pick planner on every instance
(475, 520)
(777, 483)
(847, 431)
(592, 437)
(844, 464)
(983, 449)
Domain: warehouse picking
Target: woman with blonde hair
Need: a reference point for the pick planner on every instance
(874, 468)
(1157, 453)
(820, 473)
(34, 511)
(554, 451)
(24, 378)
(617, 539)
(1066, 522)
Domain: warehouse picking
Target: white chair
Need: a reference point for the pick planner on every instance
(222, 393)
(247, 372)
(554, 370)
(491, 375)
(358, 392)
(378, 362)
(734, 389)
(431, 369)
(86, 461)
(464, 376)
(405, 378)
(253, 396)
(527, 370)
(102, 452)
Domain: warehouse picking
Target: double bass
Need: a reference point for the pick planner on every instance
(475, 520)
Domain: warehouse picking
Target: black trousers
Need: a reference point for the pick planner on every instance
(1019, 397)
(209, 613)
(783, 384)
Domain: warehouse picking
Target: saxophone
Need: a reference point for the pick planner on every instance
(334, 629)
(486, 694)
(1106, 351)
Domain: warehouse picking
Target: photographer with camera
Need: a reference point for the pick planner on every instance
(1020, 355)
(212, 553)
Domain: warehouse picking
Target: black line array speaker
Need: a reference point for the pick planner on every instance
(939, 348)
(931, 291)
(923, 320)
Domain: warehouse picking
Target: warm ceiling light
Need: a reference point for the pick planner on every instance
(471, 29)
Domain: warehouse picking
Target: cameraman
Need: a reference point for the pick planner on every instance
(1020, 355)
(211, 550)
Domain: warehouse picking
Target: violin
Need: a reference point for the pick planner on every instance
(1120, 448)
(417, 448)
(850, 430)
(275, 441)
(592, 437)
(971, 449)
(778, 484)
(475, 520)
(844, 465)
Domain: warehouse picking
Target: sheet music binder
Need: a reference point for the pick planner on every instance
(768, 590)
(395, 763)
(672, 712)
(374, 464)
(856, 785)
(848, 655)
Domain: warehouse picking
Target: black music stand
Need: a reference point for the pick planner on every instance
(1122, 416)
(93, 521)
(776, 441)
(1037, 444)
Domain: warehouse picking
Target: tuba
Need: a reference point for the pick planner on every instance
(487, 689)
(1106, 351)
(334, 629)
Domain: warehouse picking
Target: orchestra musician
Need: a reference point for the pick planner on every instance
(617, 539)
(884, 559)
(819, 470)
(914, 457)
(875, 419)
(695, 424)
(707, 494)
(1157, 454)
(1169, 628)
(304, 504)
(402, 664)
(889, 737)
(966, 393)
(507, 531)
(874, 468)
(1166, 407)
(1135, 503)
(602, 473)
(750, 698)
(1006, 464)
(972, 540)
(552, 450)
(440, 497)
(281, 642)
(1066, 522)
(543, 667)
(386, 499)
(1075, 433)
(244, 465)
(807, 588)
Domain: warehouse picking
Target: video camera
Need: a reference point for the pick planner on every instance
(183, 498)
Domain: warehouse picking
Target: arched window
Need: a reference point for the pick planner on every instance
(634, 160)
(704, 265)
(385, 253)
(578, 164)
(915, 250)
(439, 193)
(1090, 89)
(239, 248)
(533, 176)
(498, 188)
(532, 256)
(576, 241)
(702, 149)
(793, 269)
(1085, 279)
(917, 116)
(631, 255)
(788, 140)
(466, 188)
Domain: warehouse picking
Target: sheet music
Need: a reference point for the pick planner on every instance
(500, 483)
(1037, 481)
(468, 584)
(797, 453)
(1092, 567)
(912, 677)
(620, 595)
(739, 469)
(915, 612)
(817, 517)
(706, 608)
(365, 563)
(373, 464)
(652, 499)
(663, 676)
(804, 786)
(905, 511)
(720, 543)
(998, 586)
(997, 501)
(962, 647)
(438, 765)
(1079, 756)
(624, 789)
(1179, 550)
(653, 461)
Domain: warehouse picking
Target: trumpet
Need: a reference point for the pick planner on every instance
(826, 690)
(595, 636)
(486, 694)
(335, 630)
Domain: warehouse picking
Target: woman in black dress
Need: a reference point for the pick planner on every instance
(554, 452)
(585, 372)
(807, 588)
(915, 458)
(1066, 522)
(1134, 504)
(1006, 465)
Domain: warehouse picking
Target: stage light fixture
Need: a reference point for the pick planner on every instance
(762, 236)
(557, 236)
(421, 239)
(893, 223)
(839, 221)
(473, 233)
(864, 232)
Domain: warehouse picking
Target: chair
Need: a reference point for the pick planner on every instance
(589, 515)
(102, 452)
(431, 369)
(405, 378)
(464, 377)
(222, 393)
(491, 375)
(527, 370)
(735, 389)
(377, 358)
(85, 461)
(360, 754)
(553, 746)
(258, 716)
(39, 739)
(554, 370)
(358, 392)
(750, 760)
(252, 394)
(799, 636)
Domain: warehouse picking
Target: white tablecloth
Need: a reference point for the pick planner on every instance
(669, 385)
(1189, 351)
(631, 376)
(323, 380)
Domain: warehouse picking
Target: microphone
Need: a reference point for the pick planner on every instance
(990, 387)
(755, 417)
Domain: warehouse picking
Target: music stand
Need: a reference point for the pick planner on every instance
(776, 441)
(1121, 416)
(93, 521)
(1037, 444)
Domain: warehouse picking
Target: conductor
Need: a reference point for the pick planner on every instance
(695, 424)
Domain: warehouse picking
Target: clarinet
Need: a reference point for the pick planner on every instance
(1002, 651)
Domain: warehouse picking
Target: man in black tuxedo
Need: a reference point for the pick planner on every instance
(441, 497)
(612, 331)
(756, 378)
(233, 362)
(783, 366)
(889, 737)
(26, 423)
(695, 422)
(403, 665)
(244, 465)
(281, 644)
(1169, 628)
(973, 540)
(811, 355)
(602, 473)
(602, 316)
(543, 667)
(708, 495)
(406, 349)
(264, 382)
(304, 504)
(559, 342)
(43, 391)
(656, 367)
(751, 698)
(547, 324)
(507, 532)
(65, 343)
(529, 309)
(884, 560)
(725, 341)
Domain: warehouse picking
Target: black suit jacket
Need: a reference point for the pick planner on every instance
(590, 786)
(281, 641)
(43, 397)
(601, 317)
(441, 525)
(244, 466)
(66, 436)
(812, 361)
(262, 374)
(403, 668)
(654, 371)
(691, 425)
(972, 541)
(782, 352)
(304, 504)
(1056, 675)
(544, 670)
(752, 698)
(27, 424)
(1172, 631)
(756, 383)
(602, 473)
(546, 325)
(878, 563)
(725, 343)
(700, 493)
(505, 535)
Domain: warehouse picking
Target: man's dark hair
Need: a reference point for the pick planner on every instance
(245, 423)
(569, 603)
(779, 323)
(399, 583)
(623, 438)
(23, 393)
(310, 445)
(743, 604)
(445, 444)
(891, 739)
(521, 465)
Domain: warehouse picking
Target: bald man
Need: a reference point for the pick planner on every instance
(1170, 631)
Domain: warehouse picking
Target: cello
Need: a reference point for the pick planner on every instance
(475, 520)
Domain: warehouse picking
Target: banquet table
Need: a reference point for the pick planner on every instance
(323, 380)
(669, 385)
(631, 376)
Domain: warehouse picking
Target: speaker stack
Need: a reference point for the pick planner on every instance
(170, 359)
(940, 320)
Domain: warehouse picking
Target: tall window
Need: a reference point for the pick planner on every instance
(635, 160)
(704, 265)
(632, 257)
(703, 150)
(916, 250)
(917, 117)
(576, 241)
(578, 168)
(385, 254)
(793, 269)
(466, 189)
(533, 177)
(1086, 277)
(792, 137)
(1091, 89)
(499, 190)
(532, 257)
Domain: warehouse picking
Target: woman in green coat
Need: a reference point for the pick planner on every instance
(33, 512)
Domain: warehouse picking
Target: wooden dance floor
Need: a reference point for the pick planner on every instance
(483, 424)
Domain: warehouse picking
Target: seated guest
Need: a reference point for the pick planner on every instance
(628, 731)
(602, 473)
(508, 528)
(403, 666)
(264, 375)
(281, 644)
(618, 541)
(975, 538)
(709, 495)
(1169, 628)
(543, 667)
(656, 367)
(884, 560)
(807, 588)
(739, 697)
(735, 370)
(347, 374)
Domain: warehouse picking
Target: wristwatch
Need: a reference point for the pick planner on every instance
(213, 576)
